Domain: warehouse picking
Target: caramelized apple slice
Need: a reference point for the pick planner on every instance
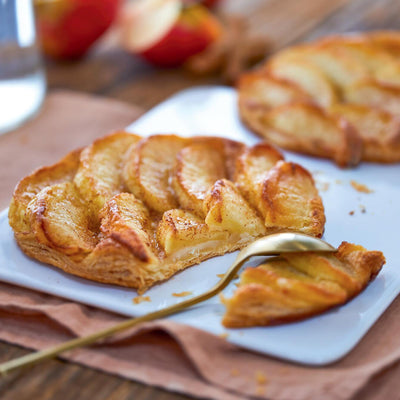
(308, 129)
(227, 210)
(306, 76)
(387, 40)
(30, 186)
(148, 169)
(290, 200)
(127, 221)
(252, 168)
(99, 174)
(340, 67)
(260, 89)
(59, 220)
(181, 230)
(381, 64)
(372, 93)
(198, 166)
(300, 285)
(379, 130)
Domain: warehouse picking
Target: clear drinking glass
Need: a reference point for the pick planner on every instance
(22, 79)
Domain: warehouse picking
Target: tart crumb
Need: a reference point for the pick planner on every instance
(181, 294)
(140, 299)
(361, 187)
(338, 181)
(224, 335)
(235, 372)
(261, 378)
(363, 209)
(323, 186)
(351, 213)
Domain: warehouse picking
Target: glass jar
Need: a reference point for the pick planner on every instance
(22, 78)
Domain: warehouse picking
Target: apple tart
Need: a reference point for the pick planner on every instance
(337, 97)
(133, 211)
(295, 286)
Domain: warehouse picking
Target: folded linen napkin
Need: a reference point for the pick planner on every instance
(163, 353)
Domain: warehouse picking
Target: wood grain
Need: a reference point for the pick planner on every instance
(110, 71)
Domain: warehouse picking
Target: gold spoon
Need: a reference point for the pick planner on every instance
(267, 246)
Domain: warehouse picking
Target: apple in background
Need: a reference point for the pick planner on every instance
(207, 3)
(210, 3)
(67, 28)
(167, 32)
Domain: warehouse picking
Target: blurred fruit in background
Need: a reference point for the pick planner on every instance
(67, 28)
(168, 32)
(207, 3)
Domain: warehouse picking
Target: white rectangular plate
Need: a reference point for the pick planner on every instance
(317, 341)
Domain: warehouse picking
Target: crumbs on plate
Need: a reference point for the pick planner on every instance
(351, 213)
(224, 335)
(140, 299)
(322, 186)
(361, 187)
(181, 294)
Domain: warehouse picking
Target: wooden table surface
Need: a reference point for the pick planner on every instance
(108, 71)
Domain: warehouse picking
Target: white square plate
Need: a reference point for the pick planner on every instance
(317, 341)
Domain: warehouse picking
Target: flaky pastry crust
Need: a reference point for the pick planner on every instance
(134, 211)
(338, 98)
(300, 285)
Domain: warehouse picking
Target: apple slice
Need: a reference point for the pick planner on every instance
(306, 76)
(126, 220)
(252, 168)
(369, 92)
(290, 200)
(198, 167)
(181, 230)
(380, 131)
(165, 32)
(309, 129)
(228, 210)
(260, 90)
(381, 64)
(148, 168)
(59, 220)
(99, 174)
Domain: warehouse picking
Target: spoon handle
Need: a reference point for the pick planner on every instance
(38, 356)
(268, 245)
